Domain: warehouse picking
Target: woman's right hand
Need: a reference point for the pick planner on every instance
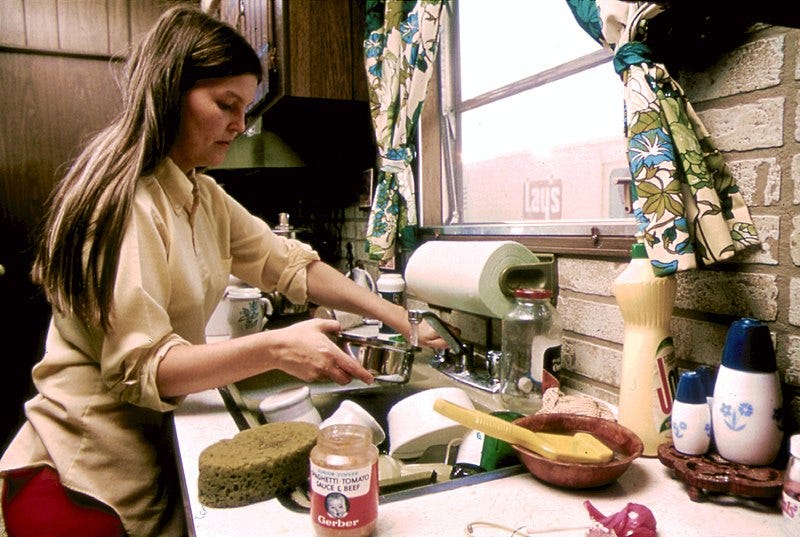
(305, 350)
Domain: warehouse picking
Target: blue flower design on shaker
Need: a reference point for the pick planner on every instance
(730, 416)
(678, 428)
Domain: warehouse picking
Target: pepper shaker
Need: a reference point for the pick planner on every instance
(748, 403)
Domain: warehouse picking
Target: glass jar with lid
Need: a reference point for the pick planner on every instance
(344, 482)
(531, 350)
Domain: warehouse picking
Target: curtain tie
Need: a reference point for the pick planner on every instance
(631, 53)
(396, 159)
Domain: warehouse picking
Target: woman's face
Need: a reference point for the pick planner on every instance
(212, 115)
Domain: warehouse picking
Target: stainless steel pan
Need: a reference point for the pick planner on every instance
(386, 360)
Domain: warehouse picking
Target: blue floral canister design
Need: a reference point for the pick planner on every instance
(691, 417)
(748, 404)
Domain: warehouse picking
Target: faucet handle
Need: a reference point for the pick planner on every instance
(415, 316)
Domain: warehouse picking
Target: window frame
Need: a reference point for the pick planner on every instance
(594, 237)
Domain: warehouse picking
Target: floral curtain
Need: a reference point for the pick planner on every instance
(400, 48)
(686, 202)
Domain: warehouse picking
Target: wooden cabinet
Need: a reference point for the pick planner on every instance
(315, 47)
(319, 49)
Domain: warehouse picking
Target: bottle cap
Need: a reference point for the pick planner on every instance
(748, 347)
(691, 389)
(638, 251)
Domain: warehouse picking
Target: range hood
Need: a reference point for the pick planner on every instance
(299, 132)
(302, 156)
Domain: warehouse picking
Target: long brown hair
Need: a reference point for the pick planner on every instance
(78, 252)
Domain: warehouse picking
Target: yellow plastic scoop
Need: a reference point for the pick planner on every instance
(579, 447)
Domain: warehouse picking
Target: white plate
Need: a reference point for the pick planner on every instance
(414, 425)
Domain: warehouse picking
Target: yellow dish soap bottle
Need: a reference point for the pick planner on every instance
(649, 367)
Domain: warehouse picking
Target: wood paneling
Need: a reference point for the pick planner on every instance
(143, 15)
(53, 99)
(41, 24)
(51, 105)
(12, 23)
(119, 28)
(83, 26)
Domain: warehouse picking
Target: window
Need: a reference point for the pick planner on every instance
(524, 134)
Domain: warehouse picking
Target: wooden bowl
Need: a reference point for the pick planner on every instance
(624, 442)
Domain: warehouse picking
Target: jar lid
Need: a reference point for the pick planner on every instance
(794, 445)
(247, 293)
(285, 398)
(533, 292)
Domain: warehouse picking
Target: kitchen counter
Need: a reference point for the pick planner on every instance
(519, 500)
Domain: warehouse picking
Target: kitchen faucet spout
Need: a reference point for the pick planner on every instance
(415, 317)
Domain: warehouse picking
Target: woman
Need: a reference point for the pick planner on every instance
(138, 249)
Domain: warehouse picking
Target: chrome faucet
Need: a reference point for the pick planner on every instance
(462, 367)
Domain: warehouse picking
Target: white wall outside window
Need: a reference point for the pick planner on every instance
(550, 147)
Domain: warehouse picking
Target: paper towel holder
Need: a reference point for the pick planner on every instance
(537, 275)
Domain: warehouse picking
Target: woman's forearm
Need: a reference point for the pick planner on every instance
(329, 287)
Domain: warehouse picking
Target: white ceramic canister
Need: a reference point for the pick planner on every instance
(290, 404)
(691, 417)
(748, 403)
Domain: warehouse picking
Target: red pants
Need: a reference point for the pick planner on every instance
(36, 504)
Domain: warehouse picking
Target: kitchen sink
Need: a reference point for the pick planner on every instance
(242, 400)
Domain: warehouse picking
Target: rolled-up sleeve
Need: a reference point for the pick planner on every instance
(142, 330)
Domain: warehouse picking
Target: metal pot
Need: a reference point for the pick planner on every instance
(386, 360)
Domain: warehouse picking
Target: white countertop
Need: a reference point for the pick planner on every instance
(514, 501)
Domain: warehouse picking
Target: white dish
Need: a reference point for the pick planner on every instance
(414, 425)
(351, 412)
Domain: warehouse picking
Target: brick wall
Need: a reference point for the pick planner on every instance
(750, 103)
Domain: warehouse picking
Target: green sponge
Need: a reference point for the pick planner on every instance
(256, 464)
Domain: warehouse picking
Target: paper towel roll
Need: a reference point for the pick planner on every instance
(465, 275)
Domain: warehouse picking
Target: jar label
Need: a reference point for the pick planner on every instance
(550, 368)
(791, 514)
(344, 499)
(665, 384)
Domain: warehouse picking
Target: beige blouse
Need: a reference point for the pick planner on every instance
(98, 417)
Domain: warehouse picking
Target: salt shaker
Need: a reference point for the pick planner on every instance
(747, 407)
(691, 417)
